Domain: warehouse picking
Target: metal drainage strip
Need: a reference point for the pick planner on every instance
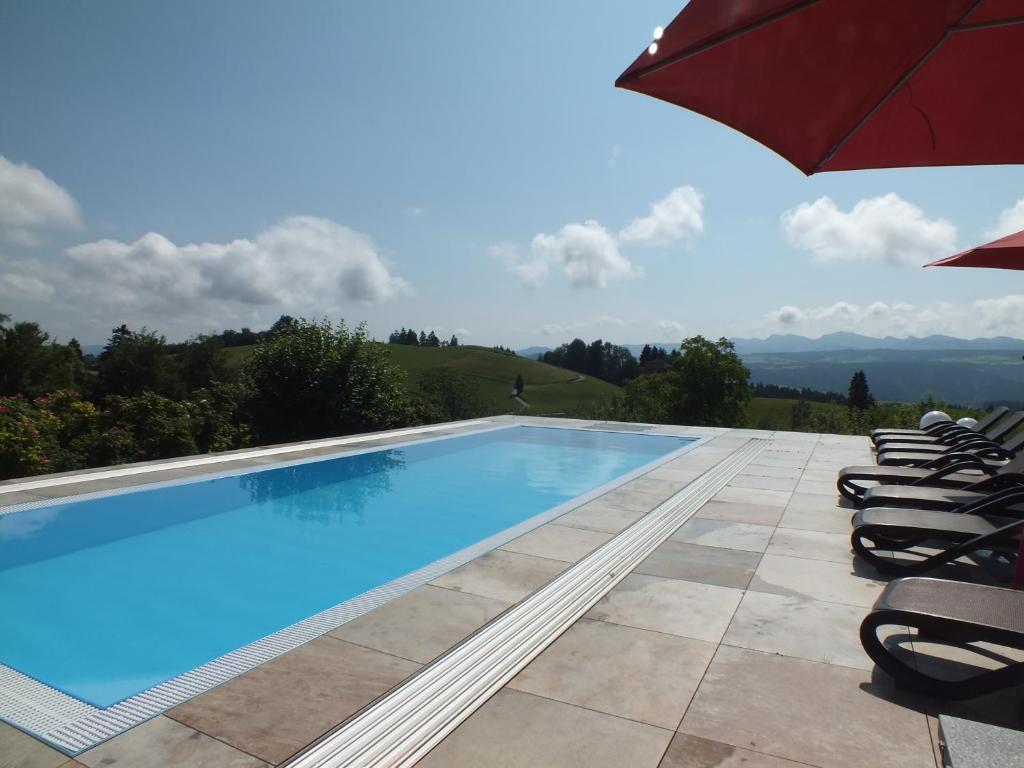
(408, 722)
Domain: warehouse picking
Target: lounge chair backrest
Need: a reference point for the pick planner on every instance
(1016, 464)
(1005, 426)
(1014, 444)
(991, 418)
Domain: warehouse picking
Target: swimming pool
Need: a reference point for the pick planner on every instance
(106, 597)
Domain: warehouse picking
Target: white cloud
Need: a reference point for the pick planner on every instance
(788, 315)
(670, 326)
(982, 317)
(301, 262)
(598, 321)
(677, 216)
(29, 202)
(614, 155)
(460, 332)
(414, 210)
(587, 253)
(13, 285)
(1010, 221)
(887, 229)
(531, 272)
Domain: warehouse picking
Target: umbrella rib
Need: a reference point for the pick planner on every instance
(1012, 22)
(686, 53)
(899, 84)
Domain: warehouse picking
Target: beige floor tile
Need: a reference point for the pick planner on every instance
(281, 706)
(825, 519)
(818, 487)
(737, 512)
(19, 750)
(822, 475)
(680, 476)
(816, 502)
(814, 545)
(694, 752)
(422, 624)
(798, 627)
(660, 486)
(519, 730)
(763, 483)
(501, 575)
(814, 579)
(708, 565)
(686, 608)
(558, 542)
(790, 473)
(721, 533)
(632, 499)
(753, 496)
(620, 671)
(820, 714)
(163, 743)
(601, 517)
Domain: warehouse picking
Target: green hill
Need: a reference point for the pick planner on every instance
(549, 389)
(777, 412)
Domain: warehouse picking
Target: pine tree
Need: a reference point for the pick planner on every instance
(860, 395)
(519, 384)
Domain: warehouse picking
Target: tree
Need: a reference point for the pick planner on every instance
(707, 384)
(860, 395)
(202, 361)
(519, 385)
(283, 324)
(432, 340)
(134, 362)
(423, 339)
(450, 394)
(319, 380)
(32, 364)
(454, 341)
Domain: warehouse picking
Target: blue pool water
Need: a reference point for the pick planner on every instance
(104, 598)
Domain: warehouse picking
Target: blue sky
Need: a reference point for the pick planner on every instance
(462, 166)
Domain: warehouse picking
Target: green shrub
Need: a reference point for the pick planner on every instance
(316, 380)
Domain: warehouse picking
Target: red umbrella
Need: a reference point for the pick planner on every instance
(1004, 253)
(842, 84)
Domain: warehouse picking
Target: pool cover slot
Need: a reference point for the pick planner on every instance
(404, 725)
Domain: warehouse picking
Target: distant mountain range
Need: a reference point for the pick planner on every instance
(840, 341)
(968, 371)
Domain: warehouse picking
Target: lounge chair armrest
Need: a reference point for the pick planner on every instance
(998, 482)
(995, 501)
(958, 457)
(957, 466)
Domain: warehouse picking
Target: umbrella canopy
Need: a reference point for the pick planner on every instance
(843, 84)
(1004, 253)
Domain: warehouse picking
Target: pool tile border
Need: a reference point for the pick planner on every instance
(73, 726)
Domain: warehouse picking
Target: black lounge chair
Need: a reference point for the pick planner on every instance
(881, 530)
(951, 612)
(944, 427)
(994, 433)
(951, 499)
(946, 473)
(961, 442)
(982, 449)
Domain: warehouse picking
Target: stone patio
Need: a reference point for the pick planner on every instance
(734, 643)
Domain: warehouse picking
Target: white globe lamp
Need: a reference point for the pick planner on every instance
(968, 422)
(933, 417)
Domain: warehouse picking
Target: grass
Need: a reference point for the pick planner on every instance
(548, 388)
(777, 412)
